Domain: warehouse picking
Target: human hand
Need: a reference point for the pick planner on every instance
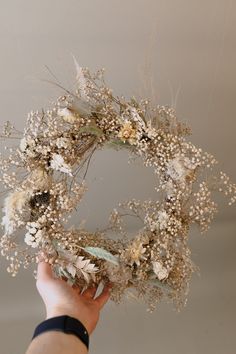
(62, 299)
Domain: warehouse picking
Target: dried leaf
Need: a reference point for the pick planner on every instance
(92, 130)
(102, 254)
(85, 265)
(71, 269)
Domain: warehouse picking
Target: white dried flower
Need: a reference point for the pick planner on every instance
(150, 131)
(179, 168)
(33, 239)
(162, 219)
(63, 143)
(136, 117)
(30, 240)
(161, 272)
(27, 145)
(58, 163)
(14, 206)
(34, 234)
(159, 222)
(23, 144)
(67, 115)
(32, 227)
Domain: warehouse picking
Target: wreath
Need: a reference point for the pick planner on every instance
(45, 178)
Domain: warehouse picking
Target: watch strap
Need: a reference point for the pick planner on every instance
(64, 324)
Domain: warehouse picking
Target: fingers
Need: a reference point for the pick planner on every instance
(44, 271)
(77, 289)
(90, 292)
(104, 296)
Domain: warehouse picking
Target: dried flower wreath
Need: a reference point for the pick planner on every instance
(43, 176)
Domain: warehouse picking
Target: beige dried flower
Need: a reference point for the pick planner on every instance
(127, 132)
(135, 252)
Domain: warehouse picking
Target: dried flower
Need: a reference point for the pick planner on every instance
(14, 206)
(27, 146)
(58, 163)
(179, 168)
(135, 252)
(63, 143)
(159, 270)
(67, 115)
(127, 132)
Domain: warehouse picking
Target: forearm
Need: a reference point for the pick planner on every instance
(56, 343)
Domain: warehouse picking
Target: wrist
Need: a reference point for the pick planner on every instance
(64, 311)
(61, 312)
(66, 325)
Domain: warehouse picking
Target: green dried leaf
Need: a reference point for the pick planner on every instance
(92, 130)
(102, 254)
(64, 273)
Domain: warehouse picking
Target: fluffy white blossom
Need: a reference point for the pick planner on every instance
(162, 219)
(63, 143)
(23, 144)
(15, 204)
(179, 168)
(161, 272)
(67, 115)
(58, 163)
(159, 222)
(34, 234)
(27, 145)
(136, 117)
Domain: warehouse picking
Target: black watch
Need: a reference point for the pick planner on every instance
(64, 324)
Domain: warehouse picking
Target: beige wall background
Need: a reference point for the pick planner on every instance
(189, 48)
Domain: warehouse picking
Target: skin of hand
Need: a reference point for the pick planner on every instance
(62, 299)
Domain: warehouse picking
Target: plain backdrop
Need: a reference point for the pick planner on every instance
(185, 50)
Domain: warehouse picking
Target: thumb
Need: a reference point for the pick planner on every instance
(44, 271)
